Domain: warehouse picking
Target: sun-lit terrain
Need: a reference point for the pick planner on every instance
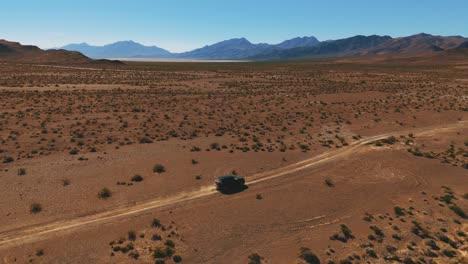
(346, 161)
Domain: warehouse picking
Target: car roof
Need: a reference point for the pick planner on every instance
(227, 177)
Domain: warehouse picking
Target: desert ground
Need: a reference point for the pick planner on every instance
(345, 162)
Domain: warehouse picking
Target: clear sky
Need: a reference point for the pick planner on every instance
(181, 25)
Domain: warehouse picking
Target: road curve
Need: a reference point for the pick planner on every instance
(38, 232)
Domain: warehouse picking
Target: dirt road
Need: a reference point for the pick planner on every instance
(42, 231)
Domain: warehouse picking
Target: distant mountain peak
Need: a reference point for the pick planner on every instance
(298, 42)
(126, 42)
(422, 34)
(119, 49)
(237, 41)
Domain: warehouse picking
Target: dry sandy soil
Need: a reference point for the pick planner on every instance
(345, 162)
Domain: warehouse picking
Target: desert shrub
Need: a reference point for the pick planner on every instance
(35, 208)
(198, 177)
(444, 238)
(8, 160)
(21, 171)
(158, 168)
(159, 253)
(104, 193)
(156, 223)
(457, 210)
(346, 232)
(65, 182)
(258, 196)
(329, 183)
(431, 253)
(372, 253)
(309, 257)
(156, 237)
(399, 211)
(39, 252)
(446, 198)
(390, 140)
(368, 217)
(145, 140)
(432, 244)
(254, 259)
(194, 162)
(215, 146)
(418, 230)
(195, 149)
(73, 152)
(449, 253)
(391, 249)
(131, 235)
(338, 237)
(170, 243)
(134, 255)
(159, 261)
(408, 260)
(304, 147)
(169, 251)
(137, 178)
(177, 258)
(377, 231)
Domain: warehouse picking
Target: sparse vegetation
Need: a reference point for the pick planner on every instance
(104, 193)
(177, 258)
(329, 183)
(282, 107)
(156, 223)
(309, 257)
(399, 211)
(254, 259)
(21, 171)
(65, 182)
(137, 178)
(158, 168)
(35, 208)
(459, 211)
(131, 235)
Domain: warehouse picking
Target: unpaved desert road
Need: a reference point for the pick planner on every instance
(43, 231)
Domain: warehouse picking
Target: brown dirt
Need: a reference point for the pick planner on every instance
(288, 127)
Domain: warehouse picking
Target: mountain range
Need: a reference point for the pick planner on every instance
(241, 48)
(237, 48)
(420, 45)
(121, 49)
(296, 48)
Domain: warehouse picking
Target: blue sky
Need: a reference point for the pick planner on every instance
(180, 25)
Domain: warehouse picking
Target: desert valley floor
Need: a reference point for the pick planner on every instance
(354, 161)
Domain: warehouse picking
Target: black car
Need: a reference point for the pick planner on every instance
(229, 183)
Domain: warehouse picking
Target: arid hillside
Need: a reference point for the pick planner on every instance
(16, 52)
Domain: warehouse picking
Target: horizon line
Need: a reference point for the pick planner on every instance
(255, 43)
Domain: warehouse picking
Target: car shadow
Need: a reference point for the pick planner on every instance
(234, 190)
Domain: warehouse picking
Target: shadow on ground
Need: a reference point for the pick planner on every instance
(234, 190)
